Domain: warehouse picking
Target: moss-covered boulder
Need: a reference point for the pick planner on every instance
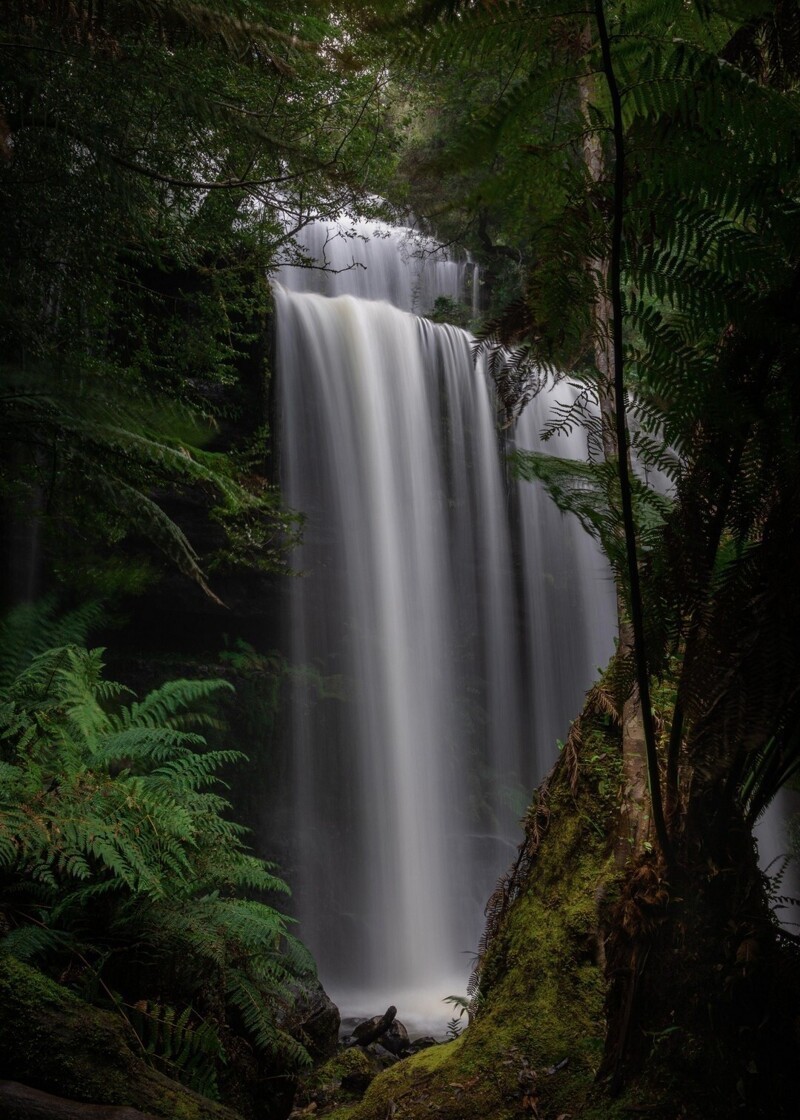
(53, 1041)
(341, 1080)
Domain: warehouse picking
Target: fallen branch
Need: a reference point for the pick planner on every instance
(21, 1102)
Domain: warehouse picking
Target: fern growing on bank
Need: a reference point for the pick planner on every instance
(183, 1049)
(120, 869)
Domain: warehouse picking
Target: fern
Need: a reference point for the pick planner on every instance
(179, 1044)
(31, 942)
(113, 838)
(32, 628)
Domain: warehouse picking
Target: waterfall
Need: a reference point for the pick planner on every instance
(377, 262)
(443, 630)
(568, 597)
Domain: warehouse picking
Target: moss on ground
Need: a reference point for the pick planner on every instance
(342, 1112)
(53, 1041)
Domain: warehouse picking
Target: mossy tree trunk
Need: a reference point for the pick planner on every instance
(702, 985)
(635, 819)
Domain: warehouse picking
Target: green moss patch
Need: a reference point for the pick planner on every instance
(52, 1040)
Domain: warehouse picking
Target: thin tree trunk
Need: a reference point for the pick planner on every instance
(635, 821)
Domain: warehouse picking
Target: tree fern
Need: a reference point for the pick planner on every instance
(707, 305)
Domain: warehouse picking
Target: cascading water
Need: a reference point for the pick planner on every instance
(442, 633)
(568, 598)
(376, 262)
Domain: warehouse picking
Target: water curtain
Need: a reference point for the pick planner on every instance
(444, 629)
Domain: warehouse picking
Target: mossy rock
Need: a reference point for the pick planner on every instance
(342, 1079)
(348, 1064)
(53, 1041)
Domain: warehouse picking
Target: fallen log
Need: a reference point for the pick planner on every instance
(21, 1102)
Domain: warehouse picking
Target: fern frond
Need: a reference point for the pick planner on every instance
(179, 1044)
(246, 998)
(32, 628)
(35, 943)
(167, 705)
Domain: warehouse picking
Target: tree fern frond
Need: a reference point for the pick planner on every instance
(191, 771)
(143, 744)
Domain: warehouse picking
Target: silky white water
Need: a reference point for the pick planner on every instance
(443, 631)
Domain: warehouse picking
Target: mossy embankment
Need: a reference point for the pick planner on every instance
(537, 1039)
(51, 1040)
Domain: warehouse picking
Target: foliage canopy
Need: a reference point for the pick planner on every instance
(710, 120)
(156, 157)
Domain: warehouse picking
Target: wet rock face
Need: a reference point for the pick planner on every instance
(314, 1021)
(374, 1029)
(396, 1039)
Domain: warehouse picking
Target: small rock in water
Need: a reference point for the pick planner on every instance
(373, 1029)
(396, 1039)
(384, 1056)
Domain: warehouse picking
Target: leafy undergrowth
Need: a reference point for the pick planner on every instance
(122, 876)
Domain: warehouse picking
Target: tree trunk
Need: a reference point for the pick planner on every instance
(635, 822)
(701, 986)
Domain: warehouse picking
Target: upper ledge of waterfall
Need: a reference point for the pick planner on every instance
(371, 259)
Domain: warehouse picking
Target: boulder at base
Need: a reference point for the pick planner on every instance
(396, 1039)
(373, 1030)
(314, 1021)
